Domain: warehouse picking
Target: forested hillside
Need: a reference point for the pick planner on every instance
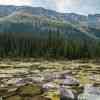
(23, 34)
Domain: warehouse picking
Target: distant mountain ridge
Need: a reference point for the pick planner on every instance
(39, 22)
(90, 20)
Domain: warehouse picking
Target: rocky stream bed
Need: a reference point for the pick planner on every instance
(49, 80)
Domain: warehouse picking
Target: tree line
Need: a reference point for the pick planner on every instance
(55, 46)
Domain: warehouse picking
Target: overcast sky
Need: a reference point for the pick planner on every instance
(77, 6)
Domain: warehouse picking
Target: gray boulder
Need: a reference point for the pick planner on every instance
(90, 93)
(66, 94)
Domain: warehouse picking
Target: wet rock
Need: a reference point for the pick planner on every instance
(13, 81)
(92, 90)
(20, 83)
(38, 97)
(66, 94)
(85, 66)
(48, 77)
(38, 79)
(50, 85)
(77, 91)
(29, 90)
(3, 91)
(13, 89)
(1, 98)
(70, 81)
(15, 97)
(96, 84)
(90, 93)
(52, 95)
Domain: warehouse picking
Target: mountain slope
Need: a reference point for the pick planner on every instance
(28, 31)
(38, 11)
(82, 20)
(40, 26)
(39, 21)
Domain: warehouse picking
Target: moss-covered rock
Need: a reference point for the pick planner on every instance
(15, 97)
(3, 91)
(39, 98)
(29, 90)
(52, 95)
